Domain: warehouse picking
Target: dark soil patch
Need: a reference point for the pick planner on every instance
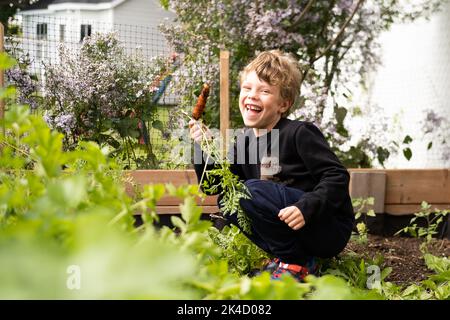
(402, 254)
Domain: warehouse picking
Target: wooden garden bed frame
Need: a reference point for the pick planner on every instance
(396, 192)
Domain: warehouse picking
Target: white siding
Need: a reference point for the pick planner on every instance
(141, 12)
(45, 50)
(137, 22)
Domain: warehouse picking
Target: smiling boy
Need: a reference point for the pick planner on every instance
(300, 206)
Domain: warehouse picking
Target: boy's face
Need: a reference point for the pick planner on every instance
(260, 103)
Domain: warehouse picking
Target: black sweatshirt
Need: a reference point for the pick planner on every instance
(304, 161)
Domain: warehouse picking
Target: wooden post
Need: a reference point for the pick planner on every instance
(2, 78)
(369, 184)
(224, 98)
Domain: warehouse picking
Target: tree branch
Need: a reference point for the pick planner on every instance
(344, 26)
(296, 23)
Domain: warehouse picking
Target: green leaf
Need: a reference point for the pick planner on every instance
(425, 206)
(165, 4)
(407, 153)
(8, 92)
(430, 144)
(158, 125)
(382, 155)
(385, 273)
(68, 193)
(6, 61)
(407, 140)
(340, 114)
(154, 191)
(371, 213)
(177, 222)
(190, 212)
(412, 289)
(357, 111)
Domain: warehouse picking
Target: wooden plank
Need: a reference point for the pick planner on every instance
(412, 186)
(405, 209)
(171, 201)
(224, 67)
(176, 210)
(415, 186)
(176, 177)
(369, 184)
(143, 177)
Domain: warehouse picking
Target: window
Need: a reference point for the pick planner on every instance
(85, 31)
(41, 31)
(62, 32)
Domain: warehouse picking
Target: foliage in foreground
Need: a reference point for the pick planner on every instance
(55, 220)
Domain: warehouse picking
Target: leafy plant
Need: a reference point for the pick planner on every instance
(221, 180)
(100, 93)
(433, 219)
(232, 191)
(243, 256)
(354, 269)
(20, 77)
(363, 208)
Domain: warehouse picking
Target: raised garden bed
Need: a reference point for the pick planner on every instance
(398, 193)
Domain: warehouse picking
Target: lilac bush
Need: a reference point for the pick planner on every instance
(334, 41)
(19, 76)
(436, 128)
(99, 92)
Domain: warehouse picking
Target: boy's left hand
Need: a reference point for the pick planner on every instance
(292, 216)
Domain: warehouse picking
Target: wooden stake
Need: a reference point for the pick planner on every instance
(224, 98)
(369, 184)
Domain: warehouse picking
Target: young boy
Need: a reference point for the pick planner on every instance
(300, 206)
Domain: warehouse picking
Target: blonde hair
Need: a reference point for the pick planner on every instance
(280, 69)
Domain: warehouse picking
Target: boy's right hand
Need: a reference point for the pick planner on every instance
(196, 133)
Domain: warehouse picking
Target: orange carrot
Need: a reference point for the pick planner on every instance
(201, 102)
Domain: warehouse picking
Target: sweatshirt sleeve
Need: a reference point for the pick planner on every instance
(331, 191)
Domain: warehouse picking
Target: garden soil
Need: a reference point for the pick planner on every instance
(402, 254)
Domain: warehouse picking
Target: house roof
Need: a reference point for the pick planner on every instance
(43, 4)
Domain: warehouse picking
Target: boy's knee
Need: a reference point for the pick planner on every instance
(258, 187)
(252, 183)
(263, 198)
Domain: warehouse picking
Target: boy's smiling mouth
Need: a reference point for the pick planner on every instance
(252, 108)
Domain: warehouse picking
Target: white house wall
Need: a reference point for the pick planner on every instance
(415, 76)
(46, 50)
(140, 12)
(139, 19)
